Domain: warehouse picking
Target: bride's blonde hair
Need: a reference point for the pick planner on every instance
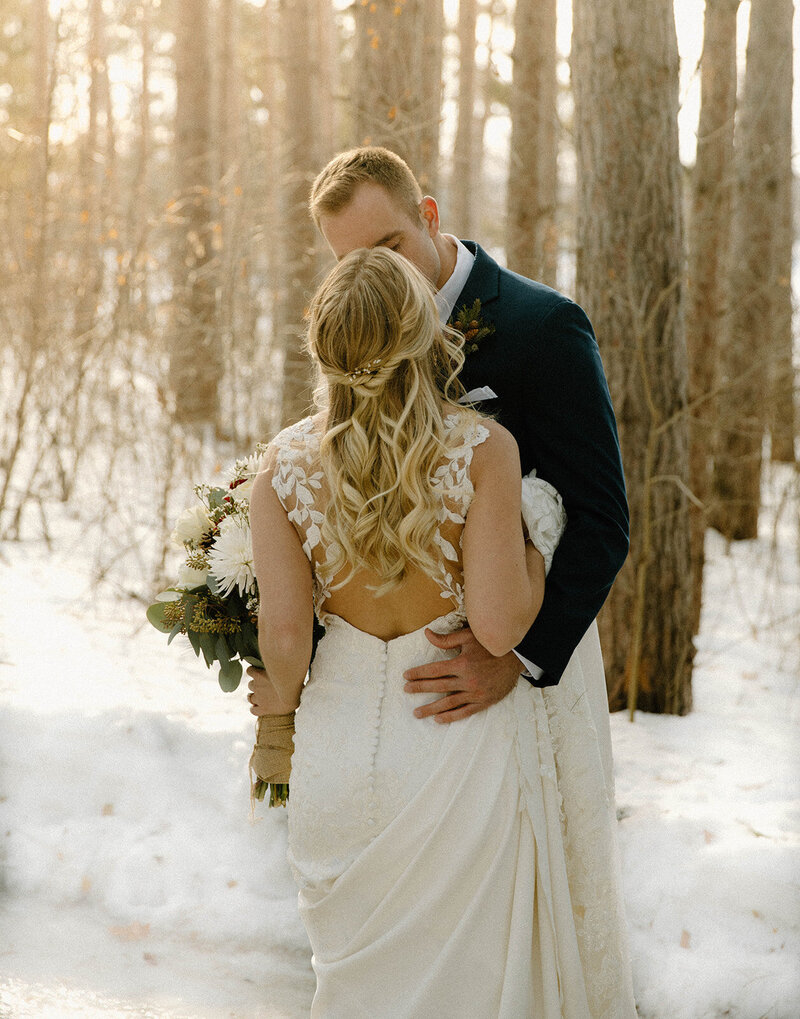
(387, 364)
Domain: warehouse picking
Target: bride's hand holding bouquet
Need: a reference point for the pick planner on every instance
(214, 603)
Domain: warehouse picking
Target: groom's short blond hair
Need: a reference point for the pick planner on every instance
(336, 183)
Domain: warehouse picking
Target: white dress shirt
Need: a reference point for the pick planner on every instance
(445, 302)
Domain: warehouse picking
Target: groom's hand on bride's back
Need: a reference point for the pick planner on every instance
(468, 683)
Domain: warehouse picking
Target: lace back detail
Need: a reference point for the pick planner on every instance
(299, 482)
(452, 480)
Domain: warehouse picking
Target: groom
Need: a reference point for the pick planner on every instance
(539, 358)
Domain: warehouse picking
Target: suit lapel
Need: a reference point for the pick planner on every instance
(483, 282)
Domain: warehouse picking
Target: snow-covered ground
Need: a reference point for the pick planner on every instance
(134, 882)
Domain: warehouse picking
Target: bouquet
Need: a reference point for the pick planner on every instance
(214, 603)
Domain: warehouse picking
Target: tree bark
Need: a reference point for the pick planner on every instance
(195, 359)
(91, 177)
(396, 91)
(755, 288)
(630, 280)
(531, 246)
(710, 232)
(299, 134)
(464, 165)
(783, 382)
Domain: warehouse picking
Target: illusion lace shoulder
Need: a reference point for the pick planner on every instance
(455, 870)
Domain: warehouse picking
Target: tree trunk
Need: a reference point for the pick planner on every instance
(712, 187)
(487, 86)
(463, 176)
(299, 136)
(630, 280)
(783, 418)
(34, 331)
(755, 289)
(91, 178)
(427, 162)
(327, 61)
(396, 91)
(531, 246)
(195, 361)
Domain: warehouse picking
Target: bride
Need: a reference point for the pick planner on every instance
(441, 869)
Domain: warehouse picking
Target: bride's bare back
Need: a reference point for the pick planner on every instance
(415, 602)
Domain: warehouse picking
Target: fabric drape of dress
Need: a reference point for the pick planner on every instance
(461, 870)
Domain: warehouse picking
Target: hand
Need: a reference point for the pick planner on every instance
(470, 682)
(263, 697)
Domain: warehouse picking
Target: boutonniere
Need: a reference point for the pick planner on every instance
(469, 323)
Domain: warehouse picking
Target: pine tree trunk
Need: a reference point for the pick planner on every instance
(38, 197)
(195, 359)
(486, 87)
(712, 186)
(630, 280)
(427, 161)
(783, 383)
(531, 246)
(396, 91)
(17, 410)
(91, 178)
(462, 184)
(300, 164)
(230, 236)
(326, 42)
(755, 289)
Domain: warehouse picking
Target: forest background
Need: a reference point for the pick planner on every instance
(157, 256)
(155, 262)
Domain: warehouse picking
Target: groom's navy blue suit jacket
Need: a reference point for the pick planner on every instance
(543, 362)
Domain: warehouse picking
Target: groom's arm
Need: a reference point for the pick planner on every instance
(570, 426)
(572, 430)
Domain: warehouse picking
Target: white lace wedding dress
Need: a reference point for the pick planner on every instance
(466, 870)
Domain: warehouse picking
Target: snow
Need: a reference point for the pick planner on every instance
(135, 882)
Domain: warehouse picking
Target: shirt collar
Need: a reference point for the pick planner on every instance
(448, 295)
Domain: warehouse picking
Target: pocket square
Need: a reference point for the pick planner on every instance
(476, 395)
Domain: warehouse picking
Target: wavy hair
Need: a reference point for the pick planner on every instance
(387, 364)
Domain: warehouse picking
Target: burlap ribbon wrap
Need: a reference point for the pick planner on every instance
(271, 760)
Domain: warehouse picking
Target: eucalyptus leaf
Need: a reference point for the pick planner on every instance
(221, 651)
(176, 629)
(252, 660)
(213, 584)
(207, 646)
(194, 640)
(155, 615)
(229, 676)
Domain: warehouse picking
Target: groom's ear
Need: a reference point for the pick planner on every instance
(429, 211)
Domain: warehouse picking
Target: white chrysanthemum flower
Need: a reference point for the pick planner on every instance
(189, 578)
(191, 525)
(231, 557)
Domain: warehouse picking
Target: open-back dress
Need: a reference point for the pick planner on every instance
(457, 870)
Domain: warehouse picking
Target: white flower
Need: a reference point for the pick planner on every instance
(243, 491)
(189, 578)
(191, 525)
(247, 467)
(231, 557)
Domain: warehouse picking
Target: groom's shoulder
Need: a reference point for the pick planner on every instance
(519, 295)
(518, 290)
